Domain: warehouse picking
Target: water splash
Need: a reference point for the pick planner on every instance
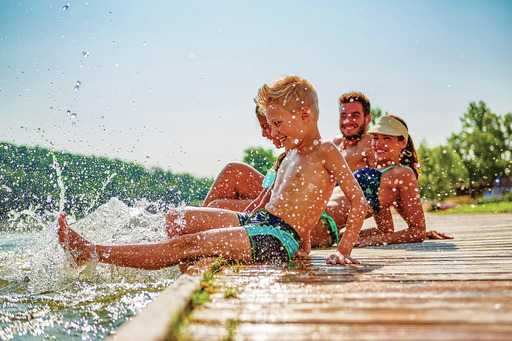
(60, 182)
(41, 294)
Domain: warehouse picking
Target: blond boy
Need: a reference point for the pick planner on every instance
(281, 231)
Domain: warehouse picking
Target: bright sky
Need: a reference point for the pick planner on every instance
(171, 83)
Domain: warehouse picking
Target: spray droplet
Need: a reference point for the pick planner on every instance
(85, 54)
(77, 86)
(71, 115)
(65, 7)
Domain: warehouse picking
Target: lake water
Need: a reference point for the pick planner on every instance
(43, 297)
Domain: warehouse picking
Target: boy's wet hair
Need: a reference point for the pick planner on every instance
(356, 97)
(292, 92)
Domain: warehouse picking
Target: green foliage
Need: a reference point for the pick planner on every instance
(441, 169)
(484, 144)
(488, 208)
(260, 158)
(43, 180)
(199, 297)
(376, 113)
(474, 157)
(230, 293)
(231, 326)
(507, 197)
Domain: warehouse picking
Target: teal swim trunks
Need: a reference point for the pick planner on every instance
(272, 239)
(331, 226)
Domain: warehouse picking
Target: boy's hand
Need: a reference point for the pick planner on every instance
(338, 258)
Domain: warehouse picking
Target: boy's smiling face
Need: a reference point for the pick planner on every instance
(287, 127)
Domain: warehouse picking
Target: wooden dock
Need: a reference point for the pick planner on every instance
(459, 289)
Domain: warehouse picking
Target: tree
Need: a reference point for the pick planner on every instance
(376, 113)
(260, 158)
(441, 170)
(484, 144)
(35, 180)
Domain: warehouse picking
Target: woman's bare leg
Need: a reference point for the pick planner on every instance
(231, 204)
(232, 243)
(237, 180)
(190, 220)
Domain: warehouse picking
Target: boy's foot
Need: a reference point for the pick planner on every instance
(73, 242)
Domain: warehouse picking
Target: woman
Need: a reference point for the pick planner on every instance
(393, 182)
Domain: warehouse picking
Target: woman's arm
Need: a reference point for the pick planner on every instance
(384, 221)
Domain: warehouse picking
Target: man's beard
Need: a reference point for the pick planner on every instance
(357, 135)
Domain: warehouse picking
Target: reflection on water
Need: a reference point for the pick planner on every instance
(43, 297)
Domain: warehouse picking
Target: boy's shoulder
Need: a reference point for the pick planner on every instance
(326, 148)
(326, 145)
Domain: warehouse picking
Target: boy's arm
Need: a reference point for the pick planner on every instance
(338, 168)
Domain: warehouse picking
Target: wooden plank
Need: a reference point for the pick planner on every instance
(299, 332)
(458, 289)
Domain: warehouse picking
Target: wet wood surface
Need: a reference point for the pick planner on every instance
(458, 289)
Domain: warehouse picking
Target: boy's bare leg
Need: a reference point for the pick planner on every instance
(232, 243)
(197, 219)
